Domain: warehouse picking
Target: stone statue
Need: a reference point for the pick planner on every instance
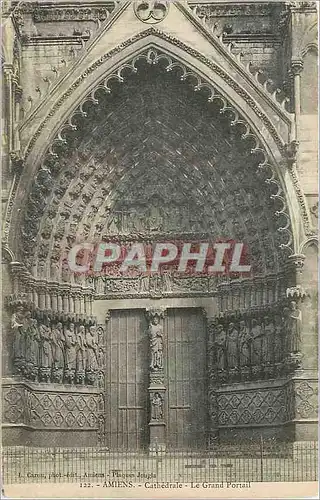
(256, 334)
(71, 353)
(32, 350)
(156, 344)
(267, 342)
(157, 407)
(58, 352)
(244, 344)
(17, 323)
(219, 345)
(278, 339)
(45, 352)
(294, 328)
(232, 347)
(91, 355)
(81, 355)
(286, 322)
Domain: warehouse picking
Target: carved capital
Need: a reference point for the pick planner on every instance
(19, 299)
(296, 66)
(296, 261)
(296, 293)
(153, 312)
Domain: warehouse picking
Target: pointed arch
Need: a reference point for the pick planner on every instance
(208, 76)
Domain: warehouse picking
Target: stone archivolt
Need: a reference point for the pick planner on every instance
(96, 189)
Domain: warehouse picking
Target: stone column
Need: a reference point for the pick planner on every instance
(157, 388)
(296, 69)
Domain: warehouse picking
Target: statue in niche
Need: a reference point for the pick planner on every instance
(32, 350)
(155, 219)
(58, 348)
(219, 344)
(256, 334)
(45, 352)
(267, 341)
(81, 355)
(156, 343)
(17, 323)
(71, 353)
(294, 328)
(244, 345)
(157, 407)
(144, 284)
(92, 355)
(232, 347)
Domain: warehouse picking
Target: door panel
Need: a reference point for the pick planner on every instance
(186, 375)
(127, 380)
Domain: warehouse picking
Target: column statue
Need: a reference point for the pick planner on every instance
(244, 345)
(70, 353)
(58, 352)
(45, 349)
(17, 323)
(32, 350)
(81, 355)
(91, 355)
(156, 344)
(295, 318)
(232, 348)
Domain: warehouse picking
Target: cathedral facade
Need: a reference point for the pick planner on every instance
(139, 123)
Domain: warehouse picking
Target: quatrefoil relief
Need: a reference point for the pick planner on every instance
(151, 12)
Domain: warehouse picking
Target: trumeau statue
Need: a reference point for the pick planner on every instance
(156, 344)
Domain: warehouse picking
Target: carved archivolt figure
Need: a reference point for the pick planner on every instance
(156, 344)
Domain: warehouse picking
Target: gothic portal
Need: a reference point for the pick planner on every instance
(148, 126)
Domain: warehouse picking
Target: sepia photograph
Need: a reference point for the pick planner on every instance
(159, 249)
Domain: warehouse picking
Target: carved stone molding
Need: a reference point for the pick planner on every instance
(83, 12)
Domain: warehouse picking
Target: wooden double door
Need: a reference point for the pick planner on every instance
(127, 379)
